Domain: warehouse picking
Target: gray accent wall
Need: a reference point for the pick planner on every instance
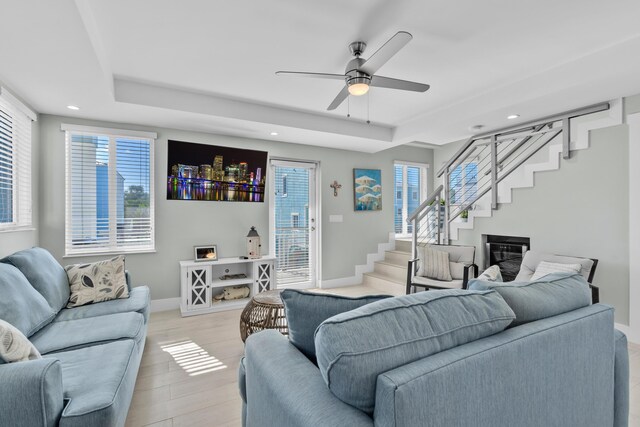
(182, 224)
(582, 209)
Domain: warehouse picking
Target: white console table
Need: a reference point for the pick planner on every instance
(201, 281)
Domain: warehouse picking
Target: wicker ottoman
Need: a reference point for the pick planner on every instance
(264, 311)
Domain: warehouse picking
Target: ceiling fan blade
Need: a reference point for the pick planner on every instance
(379, 81)
(382, 55)
(344, 93)
(316, 75)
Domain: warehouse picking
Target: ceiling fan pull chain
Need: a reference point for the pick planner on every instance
(348, 106)
(368, 103)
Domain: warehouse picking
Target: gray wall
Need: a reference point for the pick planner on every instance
(182, 224)
(12, 241)
(581, 209)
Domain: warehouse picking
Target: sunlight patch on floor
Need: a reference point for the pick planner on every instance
(192, 358)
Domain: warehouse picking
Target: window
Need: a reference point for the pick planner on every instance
(295, 220)
(463, 184)
(284, 185)
(15, 163)
(109, 190)
(411, 190)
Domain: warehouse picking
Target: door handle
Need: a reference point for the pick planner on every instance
(313, 228)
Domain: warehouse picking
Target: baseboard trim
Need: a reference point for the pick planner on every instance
(631, 336)
(340, 282)
(165, 304)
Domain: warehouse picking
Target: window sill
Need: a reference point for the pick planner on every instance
(114, 252)
(16, 229)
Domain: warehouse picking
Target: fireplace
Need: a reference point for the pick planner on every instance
(506, 252)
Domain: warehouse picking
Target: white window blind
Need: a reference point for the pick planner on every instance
(109, 191)
(410, 190)
(15, 163)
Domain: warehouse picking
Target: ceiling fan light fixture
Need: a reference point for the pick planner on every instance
(359, 85)
(358, 89)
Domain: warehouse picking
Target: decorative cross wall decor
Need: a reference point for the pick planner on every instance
(335, 187)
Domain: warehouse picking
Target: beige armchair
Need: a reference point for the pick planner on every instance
(532, 259)
(461, 267)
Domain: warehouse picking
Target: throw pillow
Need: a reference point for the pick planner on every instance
(97, 282)
(434, 264)
(305, 311)
(551, 295)
(491, 274)
(355, 347)
(546, 267)
(14, 346)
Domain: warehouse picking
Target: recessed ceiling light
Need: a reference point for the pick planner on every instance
(513, 116)
(73, 107)
(476, 128)
(274, 133)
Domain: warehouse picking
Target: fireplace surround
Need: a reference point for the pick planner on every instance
(506, 252)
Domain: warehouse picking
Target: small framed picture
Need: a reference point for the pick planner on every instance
(205, 253)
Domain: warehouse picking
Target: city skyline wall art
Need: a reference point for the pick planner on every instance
(367, 189)
(215, 173)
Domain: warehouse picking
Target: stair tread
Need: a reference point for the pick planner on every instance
(392, 264)
(383, 277)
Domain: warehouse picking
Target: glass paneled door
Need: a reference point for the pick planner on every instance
(293, 223)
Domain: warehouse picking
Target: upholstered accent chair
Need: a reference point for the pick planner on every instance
(461, 267)
(532, 260)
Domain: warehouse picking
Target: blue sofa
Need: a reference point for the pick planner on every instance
(91, 354)
(565, 369)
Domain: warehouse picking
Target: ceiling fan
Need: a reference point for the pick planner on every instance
(359, 74)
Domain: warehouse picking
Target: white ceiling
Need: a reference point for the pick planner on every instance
(209, 65)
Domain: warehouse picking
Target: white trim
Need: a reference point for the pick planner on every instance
(314, 199)
(108, 131)
(4, 92)
(408, 163)
(363, 268)
(633, 332)
(165, 304)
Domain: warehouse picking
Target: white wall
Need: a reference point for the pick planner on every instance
(581, 209)
(182, 224)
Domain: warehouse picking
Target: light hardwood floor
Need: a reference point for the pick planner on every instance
(188, 375)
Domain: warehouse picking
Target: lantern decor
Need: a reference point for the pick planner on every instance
(253, 244)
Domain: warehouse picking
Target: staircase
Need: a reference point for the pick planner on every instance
(390, 275)
(506, 160)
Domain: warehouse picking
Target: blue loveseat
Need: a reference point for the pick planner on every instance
(559, 362)
(91, 353)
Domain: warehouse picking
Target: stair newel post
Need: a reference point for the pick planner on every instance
(494, 172)
(566, 139)
(445, 223)
(414, 239)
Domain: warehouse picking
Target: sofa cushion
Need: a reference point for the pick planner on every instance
(44, 273)
(14, 346)
(551, 295)
(98, 383)
(138, 301)
(353, 348)
(97, 282)
(71, 334)
(491, 274)
(305, 311)
(546, 267)
(20, 304)
(433, 264)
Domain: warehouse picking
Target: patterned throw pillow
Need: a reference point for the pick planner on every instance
(97, 282)
(434, 264)
(491, 274)
(14, 346)
(546, 267)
